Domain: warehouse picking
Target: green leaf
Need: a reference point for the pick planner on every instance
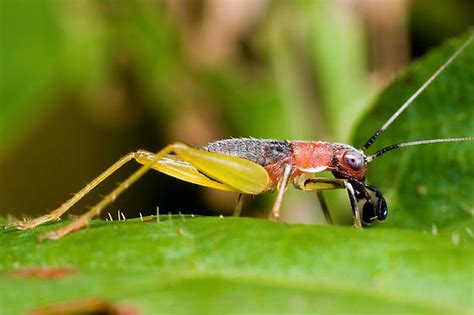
(241, 266)
(43, 53)
(30, 45)
(428, 187)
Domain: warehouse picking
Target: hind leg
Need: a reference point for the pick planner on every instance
(178, 160)
(229, 171)
(56, 214)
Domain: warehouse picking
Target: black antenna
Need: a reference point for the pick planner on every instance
(412, 98)
(372, 157)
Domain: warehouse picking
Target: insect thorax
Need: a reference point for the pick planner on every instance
(260, 151)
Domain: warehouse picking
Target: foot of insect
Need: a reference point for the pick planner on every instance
(274, 216)
(79, 224)
(32, 223)
(357, 223)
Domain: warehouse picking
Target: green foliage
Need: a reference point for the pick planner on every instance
(240, 266)
(39, 55)
(427, 186)
(20, 79)
(54, 52)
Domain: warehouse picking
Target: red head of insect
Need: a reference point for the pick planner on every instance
(351, 164)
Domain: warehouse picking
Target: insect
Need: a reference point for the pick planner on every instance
(254, 166)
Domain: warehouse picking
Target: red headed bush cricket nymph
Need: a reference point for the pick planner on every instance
(254, 166)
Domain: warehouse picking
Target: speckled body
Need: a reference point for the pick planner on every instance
(261, 151)
(274, 155)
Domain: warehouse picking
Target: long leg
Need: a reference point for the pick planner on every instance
(354, 205)
(56, 214)
(283, 185)
(324, 207)
(170, 165)
(83, 220)
(233, 171)
(235, 174)
(323, 183)
(238, 205)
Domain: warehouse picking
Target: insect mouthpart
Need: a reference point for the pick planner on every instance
(372, 210)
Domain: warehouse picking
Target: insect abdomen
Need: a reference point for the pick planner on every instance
(260, 151)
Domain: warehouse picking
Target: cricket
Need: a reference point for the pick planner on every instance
(250, 166)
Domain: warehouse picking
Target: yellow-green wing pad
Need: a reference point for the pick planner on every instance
(243, 175)
(175, 167)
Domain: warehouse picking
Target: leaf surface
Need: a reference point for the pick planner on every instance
(239, 266)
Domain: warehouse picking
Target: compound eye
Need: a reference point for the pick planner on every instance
(354, 160)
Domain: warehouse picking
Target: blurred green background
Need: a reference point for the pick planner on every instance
(84, 82)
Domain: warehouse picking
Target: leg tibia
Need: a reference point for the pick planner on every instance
(282, 186)
(56, 214)
(324, 207)
(227, 173)
(84, 219)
